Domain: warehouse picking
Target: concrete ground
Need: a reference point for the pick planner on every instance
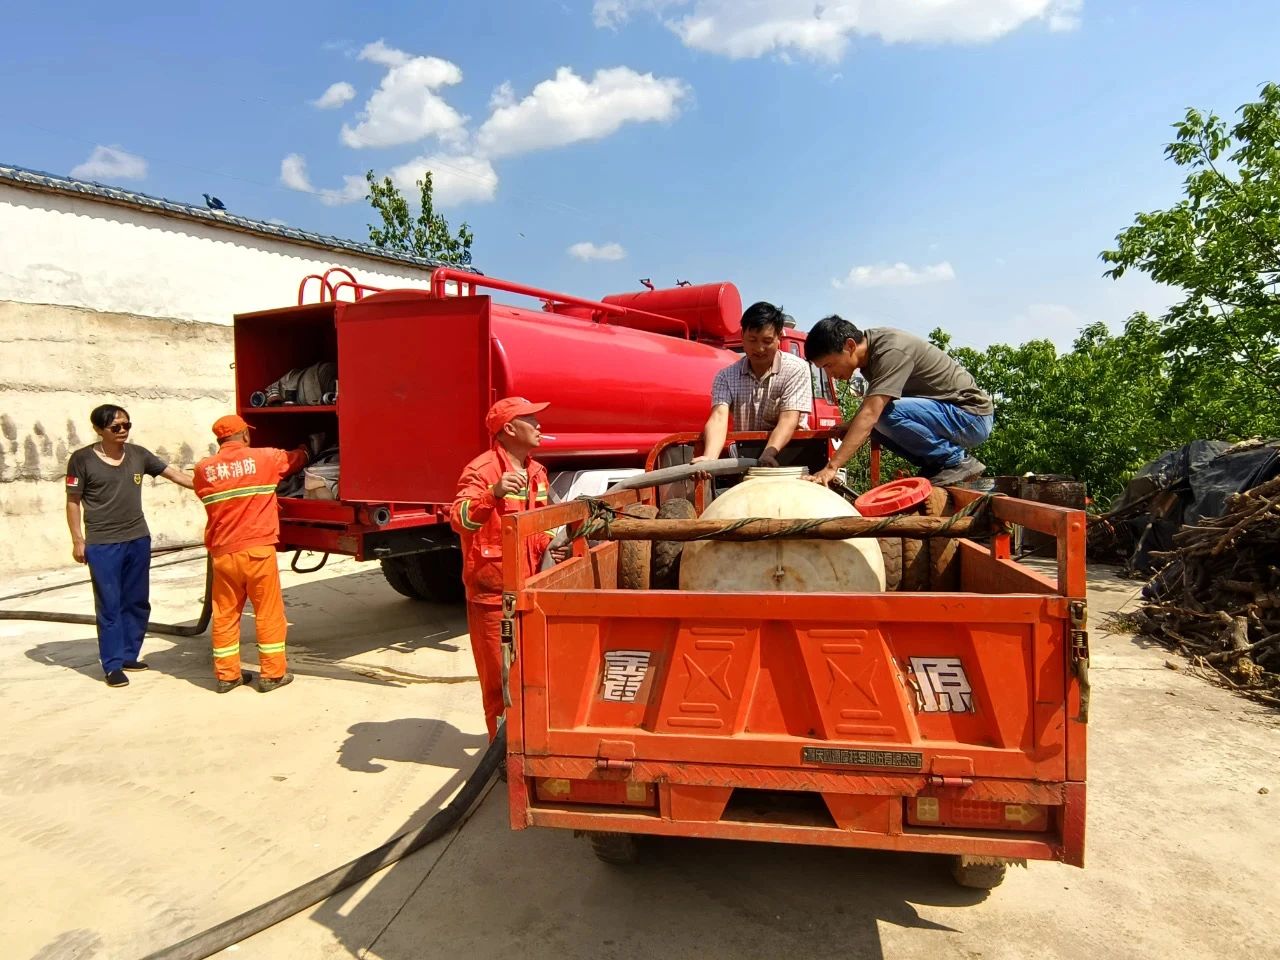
(130, 819)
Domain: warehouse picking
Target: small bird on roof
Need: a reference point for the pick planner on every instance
(213, 203)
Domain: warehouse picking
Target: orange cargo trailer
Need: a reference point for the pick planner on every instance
(939, 722)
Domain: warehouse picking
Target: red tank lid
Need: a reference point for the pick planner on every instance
(895, 497)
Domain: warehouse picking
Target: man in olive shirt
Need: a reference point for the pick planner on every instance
(920, 403)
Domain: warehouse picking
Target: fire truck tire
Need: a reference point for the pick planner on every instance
(395, 573)
(436, 576)
(978, 876)
(633, 555)
(664, 570)
(619, 848)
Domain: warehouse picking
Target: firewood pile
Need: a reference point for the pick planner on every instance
(1217, 596)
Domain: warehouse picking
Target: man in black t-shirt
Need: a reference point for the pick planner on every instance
(104, 492)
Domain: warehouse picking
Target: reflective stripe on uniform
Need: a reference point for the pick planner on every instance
(228, 651)
(464, 515)
(237, 493)
(271, 648)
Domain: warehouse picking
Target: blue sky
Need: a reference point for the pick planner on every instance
(956, 163)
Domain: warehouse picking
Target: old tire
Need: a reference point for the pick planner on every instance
(891, 550)
(436, 576)
(977, 876)
(619, 848)
(664, 568)
(915, 565)
(634, 555)
(395, 573)
(944, 564)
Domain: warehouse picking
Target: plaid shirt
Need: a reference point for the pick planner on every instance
(757, 404)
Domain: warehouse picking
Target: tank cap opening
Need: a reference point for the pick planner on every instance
(776, 473)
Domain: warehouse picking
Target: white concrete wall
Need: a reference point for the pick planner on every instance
(102, 303)
(83, 252)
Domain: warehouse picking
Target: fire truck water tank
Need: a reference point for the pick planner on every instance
(794, 566)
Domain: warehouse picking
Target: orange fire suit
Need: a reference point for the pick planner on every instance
(238, 489)
(477, 515)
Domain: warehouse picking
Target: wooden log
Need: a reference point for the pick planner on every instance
(836, 528)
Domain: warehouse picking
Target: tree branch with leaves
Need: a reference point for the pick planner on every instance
(425, 235)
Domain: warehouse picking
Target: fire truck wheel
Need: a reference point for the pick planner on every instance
(664, 570)
(436, 576)
(979, 876)
(633, 555)
(395, 572)
(621, 848)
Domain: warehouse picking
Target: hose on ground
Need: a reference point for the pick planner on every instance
(165, 629)
(232, 931)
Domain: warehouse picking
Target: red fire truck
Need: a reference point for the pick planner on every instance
(418, 368)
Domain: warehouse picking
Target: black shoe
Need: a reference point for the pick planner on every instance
(116, 678)
(136, 666)
(267, 684)
(967, 469)
(226, 686)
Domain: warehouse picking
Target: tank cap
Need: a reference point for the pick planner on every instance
(895, 497)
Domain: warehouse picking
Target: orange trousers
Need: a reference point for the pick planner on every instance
(249, 574)
(484, 622)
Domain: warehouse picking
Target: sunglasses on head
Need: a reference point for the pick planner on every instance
(121, 427)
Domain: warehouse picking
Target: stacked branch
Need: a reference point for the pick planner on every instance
(1217, 598)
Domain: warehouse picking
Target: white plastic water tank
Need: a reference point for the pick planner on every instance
(797, 566)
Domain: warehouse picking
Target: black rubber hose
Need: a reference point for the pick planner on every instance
(165, 629)
(232, 931)
(683, 471)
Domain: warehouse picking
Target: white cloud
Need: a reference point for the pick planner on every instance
(587, 251)
(455, 178)
(406, 108)
(293, 174)
(568, 109)
(1051, 320)
(896, 275)
(822, 30)
(111, 163)
(503, 96)
(337, 95)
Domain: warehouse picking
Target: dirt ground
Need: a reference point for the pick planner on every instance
(132, 818)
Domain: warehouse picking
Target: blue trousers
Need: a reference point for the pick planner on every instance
(121, 575)
(930, 433)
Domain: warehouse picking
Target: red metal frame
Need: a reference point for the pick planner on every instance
(1025, 744)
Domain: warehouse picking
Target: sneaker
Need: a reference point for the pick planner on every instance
(136, 666)
(226, 686)
(267, 684)
(116, 678)
(966, 469)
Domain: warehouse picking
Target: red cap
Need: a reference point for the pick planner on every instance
(895, 497)
(224, 427)
(507, 409)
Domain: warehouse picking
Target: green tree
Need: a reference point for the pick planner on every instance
(426, 235)
(1221, 245)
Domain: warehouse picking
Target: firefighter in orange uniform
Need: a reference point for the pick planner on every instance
(237, 486)
(501, 481)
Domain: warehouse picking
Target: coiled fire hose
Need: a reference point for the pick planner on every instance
(232, 931)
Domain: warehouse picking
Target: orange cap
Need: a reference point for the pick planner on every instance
(224, 427)
(507, 409)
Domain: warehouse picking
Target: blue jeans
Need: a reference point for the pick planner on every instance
(930, 433)
(121, 575)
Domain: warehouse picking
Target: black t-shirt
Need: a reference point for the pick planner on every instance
(112, 496)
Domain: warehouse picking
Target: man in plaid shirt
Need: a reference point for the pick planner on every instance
(768, 389)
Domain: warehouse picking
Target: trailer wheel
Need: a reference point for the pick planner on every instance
(436, 576)
(619, 848)
(664, 569)
(394, 571)
(633, 555)
(979, 875)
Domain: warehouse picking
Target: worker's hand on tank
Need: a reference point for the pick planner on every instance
(510, 482)
(77, 551)
(823, 476)
(769, 458)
